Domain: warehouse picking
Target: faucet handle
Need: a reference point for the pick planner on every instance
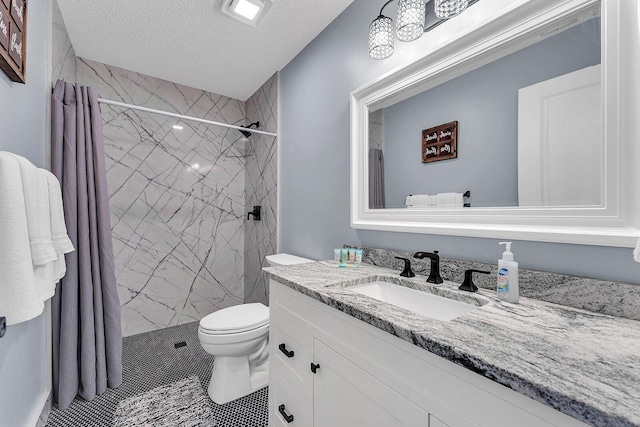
(468, 284)
(407, 272)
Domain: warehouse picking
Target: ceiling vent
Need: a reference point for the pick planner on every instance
(249, 12)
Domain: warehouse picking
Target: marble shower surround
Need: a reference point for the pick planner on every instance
(599, 296)
(63, 57)
(177, 198)
(261, 186)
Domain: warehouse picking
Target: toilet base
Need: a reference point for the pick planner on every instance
(234, 377)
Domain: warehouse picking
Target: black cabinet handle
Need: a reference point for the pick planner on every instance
(314, 367)
(283, 348)
(287, 418)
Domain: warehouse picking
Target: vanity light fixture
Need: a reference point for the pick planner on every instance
(410, 19)
(381, 36)
(415, 17)
(178, 127)
(249, 12)
(446, 9)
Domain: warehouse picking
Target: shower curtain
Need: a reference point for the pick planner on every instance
(376, 179)
(87, 338)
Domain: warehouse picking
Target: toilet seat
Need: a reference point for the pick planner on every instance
(235, 320)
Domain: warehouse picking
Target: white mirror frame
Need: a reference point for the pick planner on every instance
(463, 47)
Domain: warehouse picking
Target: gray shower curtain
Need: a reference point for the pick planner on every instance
(376, 179)
(87, 339)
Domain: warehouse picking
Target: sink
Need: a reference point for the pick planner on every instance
(422, 303)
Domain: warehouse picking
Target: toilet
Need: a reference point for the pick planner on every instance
(237, 337)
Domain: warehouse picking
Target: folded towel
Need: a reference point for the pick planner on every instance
(36, 197)
(636, 252)
(19, 298)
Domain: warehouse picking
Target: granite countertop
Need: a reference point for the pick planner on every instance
(584, 364)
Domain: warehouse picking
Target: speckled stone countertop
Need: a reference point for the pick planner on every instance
(584, 364)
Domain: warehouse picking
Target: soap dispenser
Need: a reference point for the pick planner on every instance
(508, 289)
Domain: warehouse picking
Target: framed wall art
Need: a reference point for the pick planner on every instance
(13, 39)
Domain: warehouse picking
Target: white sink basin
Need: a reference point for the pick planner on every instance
(422, 303)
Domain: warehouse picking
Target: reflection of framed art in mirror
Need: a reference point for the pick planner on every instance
(440, 142)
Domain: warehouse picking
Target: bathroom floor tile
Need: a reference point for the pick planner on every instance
(151, 360)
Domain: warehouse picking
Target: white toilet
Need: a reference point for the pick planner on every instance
(237, 338)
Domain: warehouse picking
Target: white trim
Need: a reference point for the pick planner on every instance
(37, 410)
(181, 116)
(519, 24)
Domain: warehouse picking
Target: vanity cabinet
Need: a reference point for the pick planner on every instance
(367, 377)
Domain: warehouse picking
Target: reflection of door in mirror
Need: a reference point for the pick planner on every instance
(484, 101)
(559, 141)
(376, 161)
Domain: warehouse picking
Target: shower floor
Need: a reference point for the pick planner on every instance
(151, 360)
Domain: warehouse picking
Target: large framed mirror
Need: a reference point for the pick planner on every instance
(541, 94)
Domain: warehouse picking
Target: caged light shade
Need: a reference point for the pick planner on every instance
(381, 37)
(411, 15)
(446, 9)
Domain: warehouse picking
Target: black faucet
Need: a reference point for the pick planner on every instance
(434, 273)
(407, 272)
(468, 284)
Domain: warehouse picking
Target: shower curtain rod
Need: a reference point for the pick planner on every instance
(180, 116)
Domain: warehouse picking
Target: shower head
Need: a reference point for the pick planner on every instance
(247, 134)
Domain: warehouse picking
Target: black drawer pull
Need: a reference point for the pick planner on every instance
(287, 418)
(283, 348)
(315, 367)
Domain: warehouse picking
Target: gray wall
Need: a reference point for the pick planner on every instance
(23, 120)
(485, 104)
(314, 159)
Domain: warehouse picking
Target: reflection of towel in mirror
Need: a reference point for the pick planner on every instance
(421, 201)
(636, 252)
(450, 200)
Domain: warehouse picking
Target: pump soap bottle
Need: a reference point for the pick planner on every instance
(508, 289)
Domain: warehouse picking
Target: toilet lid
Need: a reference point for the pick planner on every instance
(239, 318)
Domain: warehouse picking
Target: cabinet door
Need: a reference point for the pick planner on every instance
(347, 396)
(286, 407)
(290, 351)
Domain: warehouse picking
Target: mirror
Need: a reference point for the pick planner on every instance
(534, 92)
(528, 132)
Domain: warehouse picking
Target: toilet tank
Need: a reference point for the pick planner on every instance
(286, 259)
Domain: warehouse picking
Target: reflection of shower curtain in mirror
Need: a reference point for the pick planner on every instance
(376, 179)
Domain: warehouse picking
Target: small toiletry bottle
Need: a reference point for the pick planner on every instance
(337, 253)
(345, 255)
(358, 256)
(352, 256)
(508, 289)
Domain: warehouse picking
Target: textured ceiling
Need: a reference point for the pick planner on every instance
(193, 42)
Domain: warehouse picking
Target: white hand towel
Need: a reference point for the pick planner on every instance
(19, 298)
(36, 199)
(636, 252)
(59, 235)
(60, 239)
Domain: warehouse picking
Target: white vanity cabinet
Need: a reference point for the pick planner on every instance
(367, 377)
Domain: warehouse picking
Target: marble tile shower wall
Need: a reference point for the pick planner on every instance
(261, 189)
(177, 198)
(63, 57)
